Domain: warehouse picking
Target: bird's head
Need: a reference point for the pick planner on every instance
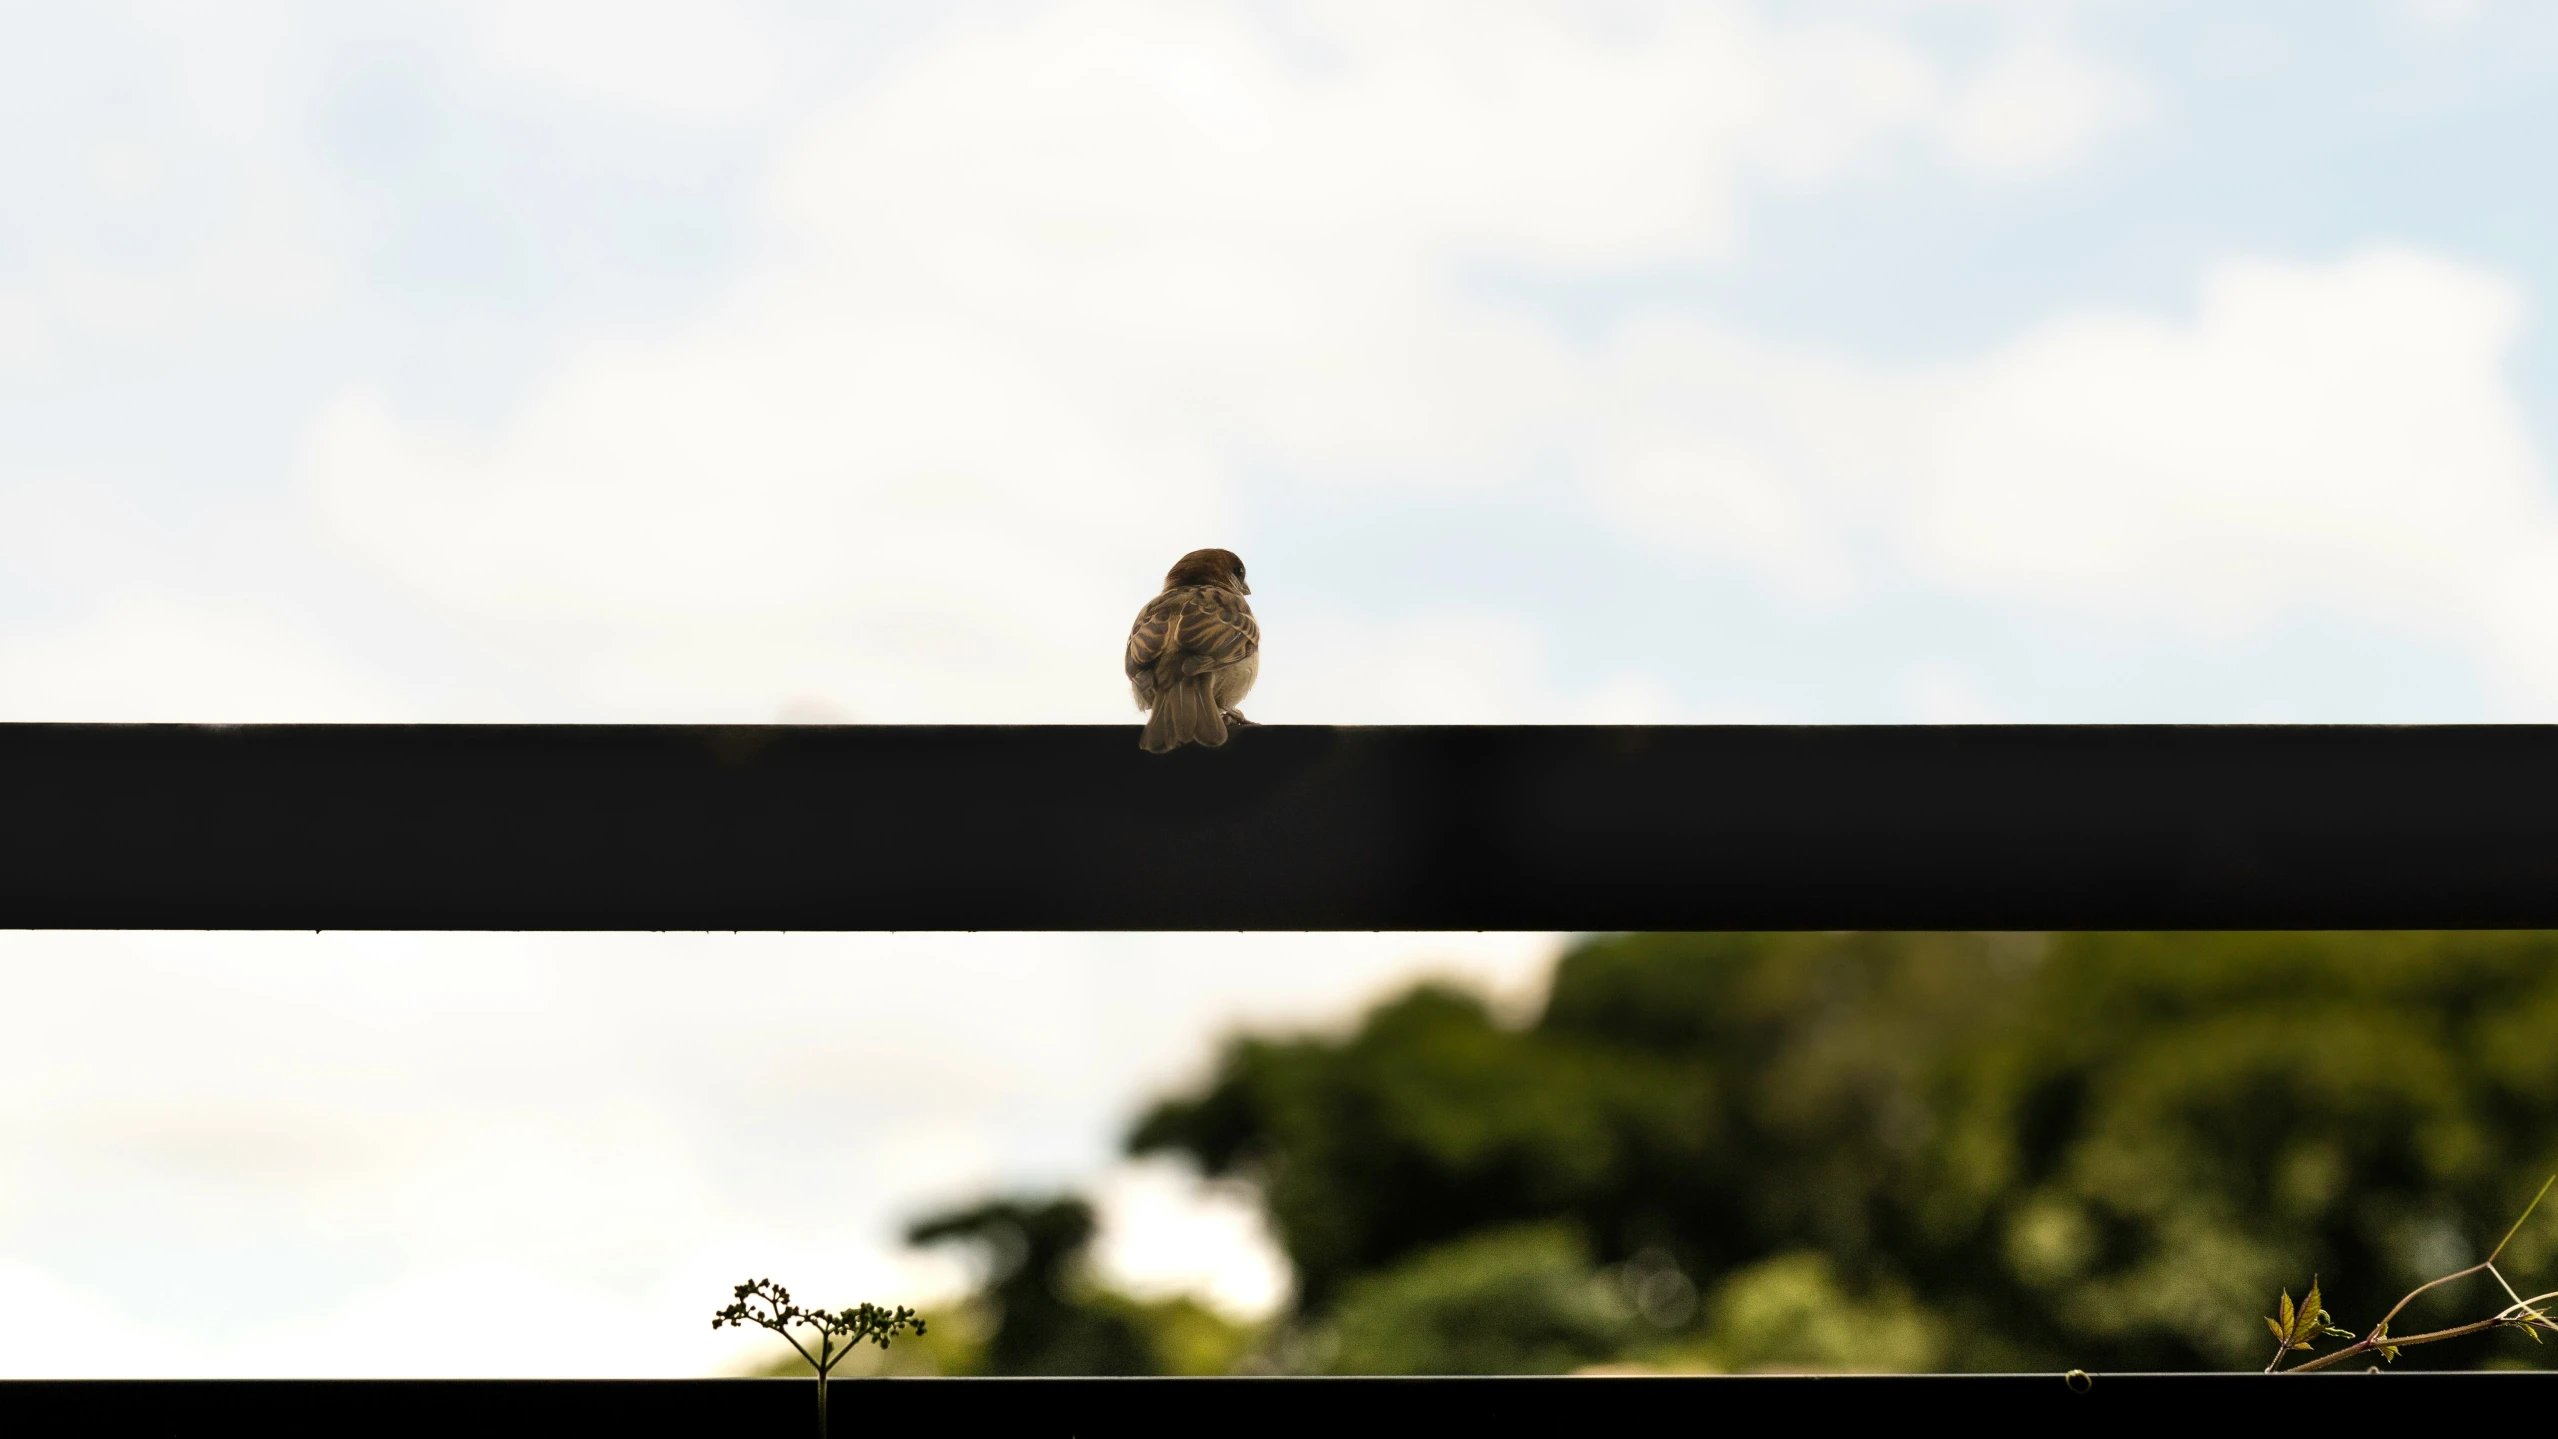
(1208, 567)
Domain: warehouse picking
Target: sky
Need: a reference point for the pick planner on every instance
(1932, 361)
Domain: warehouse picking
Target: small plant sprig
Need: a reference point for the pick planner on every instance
(836, 1334)
(2299, 1328)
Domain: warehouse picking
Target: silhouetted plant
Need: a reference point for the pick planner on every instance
(836, 1333)
(2300, 1327)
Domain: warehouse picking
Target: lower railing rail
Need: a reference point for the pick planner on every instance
(1318, 1408)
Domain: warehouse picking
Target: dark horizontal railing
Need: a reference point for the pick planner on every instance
(1058, 828)
(2031, 1403)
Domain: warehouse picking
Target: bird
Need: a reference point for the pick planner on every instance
(1194, 652)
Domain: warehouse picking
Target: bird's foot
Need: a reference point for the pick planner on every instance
(1235, 717)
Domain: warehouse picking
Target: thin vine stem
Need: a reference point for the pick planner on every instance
(2521, 1314)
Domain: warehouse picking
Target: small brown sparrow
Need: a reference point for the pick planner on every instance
(1194, 652)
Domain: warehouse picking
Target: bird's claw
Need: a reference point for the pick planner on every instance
(1235, 717)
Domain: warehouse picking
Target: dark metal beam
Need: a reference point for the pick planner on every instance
(1056, 828)
(1251, 1407)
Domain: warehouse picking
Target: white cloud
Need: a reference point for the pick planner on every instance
(1053, 288)
(1447, 667)
(1711, 442)
(1941, 694)
(248, 1148)
(2332, 439)
(22, 336)
(705, 58)
(157, 656)
(53, 1330)
(1036, 299)
(2443, 14)
(176, 205)
(2035, 107)
(1165, 1233)
(2338, 438)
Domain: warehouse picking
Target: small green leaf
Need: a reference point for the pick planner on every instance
(2387, 1351)
(2279, 1336)
(2300, 1323)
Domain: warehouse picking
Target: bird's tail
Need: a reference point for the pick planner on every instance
(1185, 713)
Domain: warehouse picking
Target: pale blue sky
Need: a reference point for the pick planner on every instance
(218, 227)
(656, 361)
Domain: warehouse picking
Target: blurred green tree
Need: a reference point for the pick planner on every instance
(1040, 1310)
(1977, 1150)
(1034, 1252)
(2178, 1125)
(1505, 1301)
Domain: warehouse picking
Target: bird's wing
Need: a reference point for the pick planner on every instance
(1203, 627)
(1217, 630)
(1146, 637)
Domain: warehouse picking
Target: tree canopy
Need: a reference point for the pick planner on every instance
(1898, 1150)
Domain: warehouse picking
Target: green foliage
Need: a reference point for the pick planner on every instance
(1180, 1334)
(1040, 1312)
(1531, 1300)
(1033, 1250)
(2004, 1151)
(1792, 1314)
(2301, 1328)
(1429, 1123)
(2214, 1112)
(1507, 1301)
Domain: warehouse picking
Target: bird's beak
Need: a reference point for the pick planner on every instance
(1241, 587)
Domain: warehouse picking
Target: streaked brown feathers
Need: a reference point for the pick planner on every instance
(1194, 652)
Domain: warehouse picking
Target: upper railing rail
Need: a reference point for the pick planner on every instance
(1071, 827)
